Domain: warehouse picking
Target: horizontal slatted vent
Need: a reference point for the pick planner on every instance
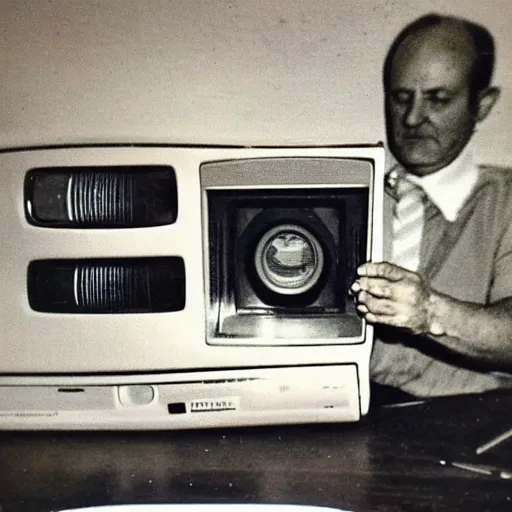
(101, 197)
(135, 285)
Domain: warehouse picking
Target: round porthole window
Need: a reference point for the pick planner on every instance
(289, 259)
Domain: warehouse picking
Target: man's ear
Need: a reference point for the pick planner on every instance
(486, 100)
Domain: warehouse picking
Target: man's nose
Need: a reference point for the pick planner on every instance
(416, 113)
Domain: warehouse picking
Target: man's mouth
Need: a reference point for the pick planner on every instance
(414, 137)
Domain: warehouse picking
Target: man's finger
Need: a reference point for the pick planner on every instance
(376, 286)
(368, 303)
(383, 270)
(375, 318)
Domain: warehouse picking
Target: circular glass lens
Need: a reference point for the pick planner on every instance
(289, 259)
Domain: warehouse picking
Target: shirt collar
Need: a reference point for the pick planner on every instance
(450, 187)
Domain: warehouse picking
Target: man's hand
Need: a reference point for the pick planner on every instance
(391, 295)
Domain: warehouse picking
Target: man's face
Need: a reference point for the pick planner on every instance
(429, 116)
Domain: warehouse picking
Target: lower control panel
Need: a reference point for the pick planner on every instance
(223, 398)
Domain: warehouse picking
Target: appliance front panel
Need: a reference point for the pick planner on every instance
(42, 342)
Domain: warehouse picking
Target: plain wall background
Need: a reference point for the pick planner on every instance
(217, 71)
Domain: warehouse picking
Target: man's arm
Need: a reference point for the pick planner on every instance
(390, 295)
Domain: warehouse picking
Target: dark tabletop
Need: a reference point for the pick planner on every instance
(390, 461)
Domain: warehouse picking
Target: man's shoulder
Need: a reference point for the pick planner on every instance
(493, 192)
(495, 172)
(498, 177)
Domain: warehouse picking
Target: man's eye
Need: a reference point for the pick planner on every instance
(401, 97)
(440, 99)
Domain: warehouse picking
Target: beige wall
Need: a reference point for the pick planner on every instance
(216, 71)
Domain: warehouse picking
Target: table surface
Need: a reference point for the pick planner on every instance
(390, 461)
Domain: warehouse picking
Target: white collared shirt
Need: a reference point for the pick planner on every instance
(451, 186)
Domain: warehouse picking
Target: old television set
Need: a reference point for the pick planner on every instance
(167, 287)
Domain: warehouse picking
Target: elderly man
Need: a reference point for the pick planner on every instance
(442, 302)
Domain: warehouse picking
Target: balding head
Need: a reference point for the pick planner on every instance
(470, 38)
(437, 90)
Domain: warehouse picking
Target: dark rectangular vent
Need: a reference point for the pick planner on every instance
(134, 285)
(101, 197)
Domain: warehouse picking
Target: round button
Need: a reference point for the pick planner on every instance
(136, 395)
(289, 259)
